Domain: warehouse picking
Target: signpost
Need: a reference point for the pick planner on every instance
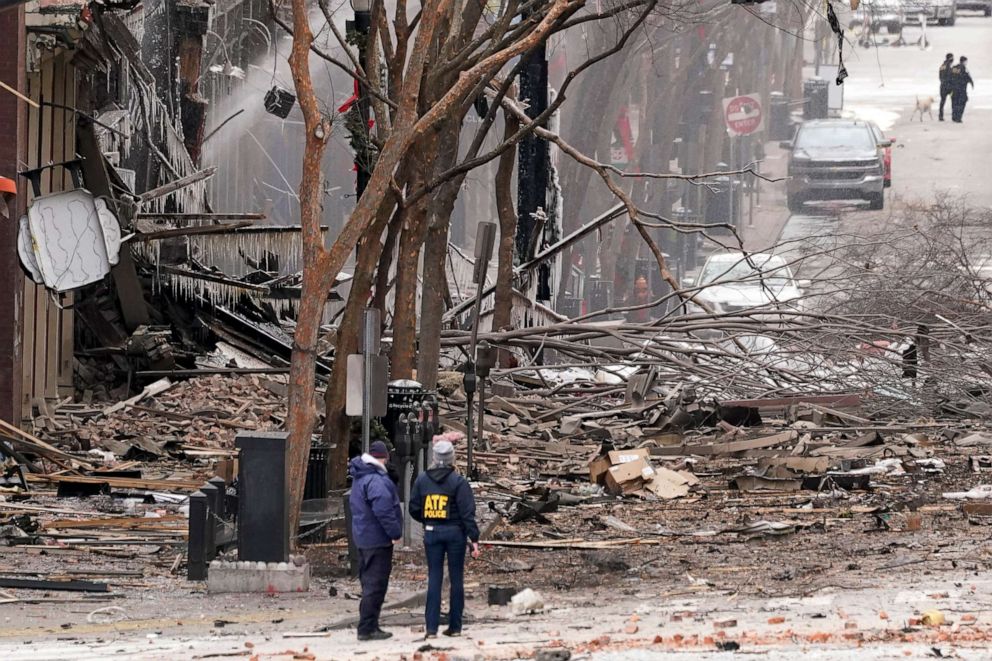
(485, 239)
(366, 389)
(743, 116)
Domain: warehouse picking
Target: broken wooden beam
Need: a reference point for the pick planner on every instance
(176, 185)
(184, 217)
(40, 584)
(41, 447)
(847, 400)
(732, 447)
(121, 482)
(199, 230)
(209, 371)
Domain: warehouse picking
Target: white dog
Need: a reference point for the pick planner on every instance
(924, 105)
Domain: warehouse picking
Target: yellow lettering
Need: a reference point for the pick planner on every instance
(435, 506)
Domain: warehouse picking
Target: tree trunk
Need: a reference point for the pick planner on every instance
(503, 303)
(402, 356)
(435, 254)
(317, 276)
(432, 298)
(386, 263)
(337, 425)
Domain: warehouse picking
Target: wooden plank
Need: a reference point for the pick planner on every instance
(129, 290)
(41, 447)
(29, 299)
(121, 482)
(846, 400)
(130, 522)
(731, 447)
(36, 584)
(152, 389)
(44, 323)
(65, 385)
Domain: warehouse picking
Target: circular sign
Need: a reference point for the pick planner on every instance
(742, 114)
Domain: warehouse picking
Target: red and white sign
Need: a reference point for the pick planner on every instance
(743, 114)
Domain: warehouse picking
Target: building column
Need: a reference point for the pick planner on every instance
(12, 131)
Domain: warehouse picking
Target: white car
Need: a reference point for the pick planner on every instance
(731, 282)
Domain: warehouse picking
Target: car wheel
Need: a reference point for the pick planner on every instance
(988, 11)
(795, 203)
(876, 202)
(952, 20)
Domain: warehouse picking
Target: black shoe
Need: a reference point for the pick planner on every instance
(451, 633)
(429, 635)
(378, 634)
(940, 119)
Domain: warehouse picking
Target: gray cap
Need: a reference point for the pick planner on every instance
(444, 453)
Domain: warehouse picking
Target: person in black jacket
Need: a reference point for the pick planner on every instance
(960, 79)
(945, 83)
(443, 501)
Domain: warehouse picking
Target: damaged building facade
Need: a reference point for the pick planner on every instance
(117, 99)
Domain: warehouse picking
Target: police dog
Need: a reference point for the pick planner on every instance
(924, 105)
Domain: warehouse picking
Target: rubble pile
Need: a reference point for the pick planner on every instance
(198, 417)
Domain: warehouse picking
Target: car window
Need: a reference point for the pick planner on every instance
(827, 137)
(773, 271)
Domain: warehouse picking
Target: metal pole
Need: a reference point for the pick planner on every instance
(469, 423)
(482, 413)
(407, 521)
(730, 183)
(752, 187)
(370, 346)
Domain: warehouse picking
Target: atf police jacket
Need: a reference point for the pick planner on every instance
(441, 496)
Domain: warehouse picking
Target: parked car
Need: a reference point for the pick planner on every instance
(941, 12)
(732, 282)
(886, 145)
(877, 14)
(984, 6)
(835, 159)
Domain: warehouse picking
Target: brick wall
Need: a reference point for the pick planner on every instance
(12, 127)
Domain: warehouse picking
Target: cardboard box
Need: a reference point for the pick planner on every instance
(598, 468)
(625, 456)
(668, 484)
(628, 477)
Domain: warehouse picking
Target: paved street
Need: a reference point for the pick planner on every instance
(930, 158)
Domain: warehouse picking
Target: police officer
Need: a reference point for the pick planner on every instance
(960, 79)
(443, 501)
(945, 83)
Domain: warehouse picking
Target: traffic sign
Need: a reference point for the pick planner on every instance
(743, 114)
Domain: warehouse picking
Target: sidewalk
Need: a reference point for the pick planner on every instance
(623, 618)
(772, 215)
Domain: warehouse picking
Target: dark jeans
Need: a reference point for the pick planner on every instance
(945, 91)
(373, 571)
(445, 540)
(958, 101)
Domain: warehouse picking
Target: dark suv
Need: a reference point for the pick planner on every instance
(835, 159)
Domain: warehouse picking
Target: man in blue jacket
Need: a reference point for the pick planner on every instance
(442, 500)
(376, 524)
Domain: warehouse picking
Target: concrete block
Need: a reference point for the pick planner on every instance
(264, 577)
